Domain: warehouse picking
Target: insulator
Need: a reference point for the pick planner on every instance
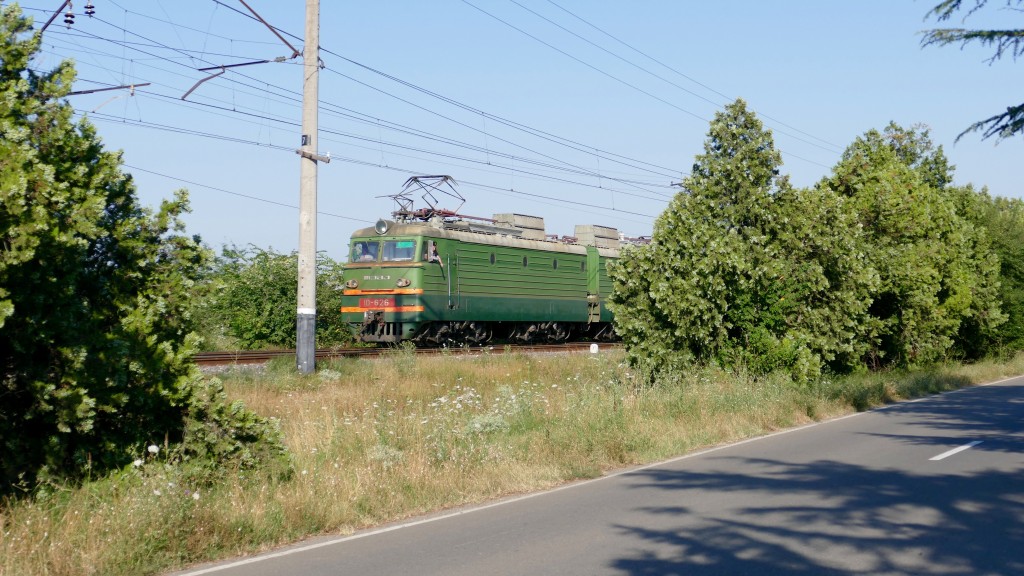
(69, 18)
(90, 9)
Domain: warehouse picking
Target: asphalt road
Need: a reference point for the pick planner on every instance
(934, 486)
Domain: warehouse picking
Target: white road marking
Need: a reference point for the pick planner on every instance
(949, 453)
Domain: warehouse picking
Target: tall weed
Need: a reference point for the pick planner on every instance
(372, 441)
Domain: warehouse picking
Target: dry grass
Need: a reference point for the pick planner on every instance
(378, 440)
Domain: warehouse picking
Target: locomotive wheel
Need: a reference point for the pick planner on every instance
(437, 334)
(558, 332)
(478, 333)
(524, 333)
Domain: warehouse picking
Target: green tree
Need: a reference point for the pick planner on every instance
(937, 273)
(742, 269)
(255, 294)
(95, 335)
(1003, 42)
(1003, 220)
(695, 279)
(825, 282)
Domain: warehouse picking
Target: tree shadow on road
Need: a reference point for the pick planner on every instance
(830, 517)
(862, 521)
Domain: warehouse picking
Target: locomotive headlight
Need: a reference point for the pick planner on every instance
(403, 282)
(352, 284)
(382, 226)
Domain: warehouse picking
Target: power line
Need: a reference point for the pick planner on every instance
(403, 170)
(610, 53)
(621, 81)
(205, 32)
(180, 130)
(596, 152)
(235, 110)
(142, 48)
(571, 144)
(292, 124)
(651, 58)
(522, 127)
(158, 44)
(577, 170)
(835, 147)
(588, 65)
(238, 194)
(473, 128)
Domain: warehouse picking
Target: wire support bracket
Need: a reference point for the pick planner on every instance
(325, 158)
(295, 53)
(196, 85)
(130, 87)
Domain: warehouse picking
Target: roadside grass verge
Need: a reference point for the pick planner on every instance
(374, 441)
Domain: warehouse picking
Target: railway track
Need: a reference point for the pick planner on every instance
(225, 358)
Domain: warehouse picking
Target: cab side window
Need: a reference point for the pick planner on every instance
(431, 254)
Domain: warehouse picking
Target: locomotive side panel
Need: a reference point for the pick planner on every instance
(518, 284)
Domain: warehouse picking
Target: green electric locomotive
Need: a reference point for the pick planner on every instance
(434, 277)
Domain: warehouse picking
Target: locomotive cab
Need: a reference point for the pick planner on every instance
(383, 283)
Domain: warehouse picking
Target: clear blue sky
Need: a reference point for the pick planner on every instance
(623, 92)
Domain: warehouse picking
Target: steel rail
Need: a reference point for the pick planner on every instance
(263, 356)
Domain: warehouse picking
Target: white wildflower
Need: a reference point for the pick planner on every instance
(153, 449)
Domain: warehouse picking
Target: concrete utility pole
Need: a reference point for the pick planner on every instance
(305, 345)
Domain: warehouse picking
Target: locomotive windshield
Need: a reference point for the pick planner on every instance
(399, 250)
(364, 251)
(388, 250)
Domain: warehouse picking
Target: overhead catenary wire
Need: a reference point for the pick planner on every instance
(518, 161)
(183, 27)
(539, 132)
(235, 110)
(832, 146)
(292, 124)
(348, 160)
(619, 159)
(396, 169)
(674, 173)
(521, 127)
(237, 194)
(612, 178)
(613, 77)
(186, 60)
(179, 130)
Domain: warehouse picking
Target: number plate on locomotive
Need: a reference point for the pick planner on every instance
(376, 302)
